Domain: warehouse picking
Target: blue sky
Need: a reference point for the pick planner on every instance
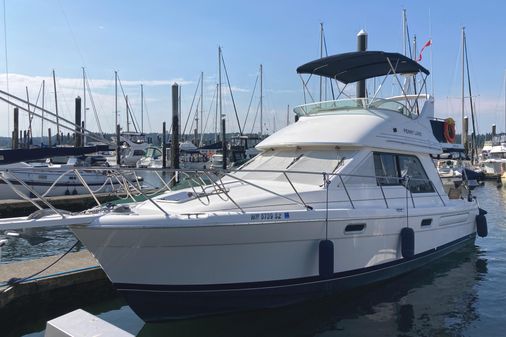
(158, 42)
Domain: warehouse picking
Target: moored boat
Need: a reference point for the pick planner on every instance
(345, 197)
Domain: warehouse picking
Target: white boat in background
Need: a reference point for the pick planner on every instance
(48, 180)
(495, 164)
(133, 147)
(190, 158)
(345, 197)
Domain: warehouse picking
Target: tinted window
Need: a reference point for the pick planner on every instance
(139, 153)
(411, 166)
(385, 166)
(391, 168)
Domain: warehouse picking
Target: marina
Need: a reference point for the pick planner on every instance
(362, 207)
(459, 295)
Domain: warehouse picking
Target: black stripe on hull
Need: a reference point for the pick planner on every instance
(155, 303)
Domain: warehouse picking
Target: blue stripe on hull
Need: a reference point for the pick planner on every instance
(160, 302)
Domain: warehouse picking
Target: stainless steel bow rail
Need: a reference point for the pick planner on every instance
(205, 183)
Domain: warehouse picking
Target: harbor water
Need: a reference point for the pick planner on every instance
(460, 295)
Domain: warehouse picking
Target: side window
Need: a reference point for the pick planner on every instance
(386, 170)
(411, 166)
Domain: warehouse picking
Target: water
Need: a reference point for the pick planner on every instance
(460, 295)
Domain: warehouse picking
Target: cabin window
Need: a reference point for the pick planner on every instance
(386, 169)
(391, 168)
(411, 166)
(139, 153)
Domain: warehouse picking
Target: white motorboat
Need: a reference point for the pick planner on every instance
(345, 197)
(495, 164)
(190, 158)
(133, 147)
(50, 180)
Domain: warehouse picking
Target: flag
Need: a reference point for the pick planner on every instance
(428, 43)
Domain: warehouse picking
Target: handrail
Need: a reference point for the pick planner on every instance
(80, 177)
(296, 192)
(37, 195)
(198, 178)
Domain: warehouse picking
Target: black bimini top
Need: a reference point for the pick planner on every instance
(361, 65)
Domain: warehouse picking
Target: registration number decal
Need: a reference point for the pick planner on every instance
(270, 216)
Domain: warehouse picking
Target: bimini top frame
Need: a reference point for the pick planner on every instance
(357, 66)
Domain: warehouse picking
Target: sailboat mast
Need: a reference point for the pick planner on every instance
(142, 108)
(462, 140)
(201, 107)
(127, 113)
(261, 101)
(58, 141)
(404, 45)
(42, 121)
(473, 108)
(116, 98)
(321, 56)
(84, 103)
(29, 116)
(219, 88)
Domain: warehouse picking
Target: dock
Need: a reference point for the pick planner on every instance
(19, 207)
(76, 278)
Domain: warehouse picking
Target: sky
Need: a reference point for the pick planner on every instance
(158, 43)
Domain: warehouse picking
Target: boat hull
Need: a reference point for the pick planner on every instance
(159, 302)
(178, 271)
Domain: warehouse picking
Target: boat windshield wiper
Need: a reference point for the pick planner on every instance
(339, 164)
(294, 161)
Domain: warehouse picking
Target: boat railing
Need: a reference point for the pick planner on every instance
(399, 104)
(207, 183)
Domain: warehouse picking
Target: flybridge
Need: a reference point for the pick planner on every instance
(358, 66)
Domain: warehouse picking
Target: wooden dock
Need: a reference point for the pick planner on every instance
(18, 207)
(75, 280)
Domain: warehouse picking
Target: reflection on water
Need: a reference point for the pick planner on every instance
(37, 243)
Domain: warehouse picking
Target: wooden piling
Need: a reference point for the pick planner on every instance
(78, 138)
(15, 133)
(174, 153)
(224, 143)
(164, 146)
(118, 152)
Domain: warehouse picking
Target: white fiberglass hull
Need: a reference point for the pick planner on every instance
(173, 271)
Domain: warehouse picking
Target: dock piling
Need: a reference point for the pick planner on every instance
(78, 138)
(174, 153)
(15, 133)
(164, 145)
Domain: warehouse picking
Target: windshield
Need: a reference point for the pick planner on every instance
(294, 162)
(353, 105)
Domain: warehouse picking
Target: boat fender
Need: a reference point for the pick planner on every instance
(407, 242)
(67, 192)
(481, 224)
(74, 192)
(326, 258)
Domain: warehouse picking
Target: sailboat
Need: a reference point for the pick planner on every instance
(458, 163)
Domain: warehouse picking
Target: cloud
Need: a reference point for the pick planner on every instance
(69, 88)
(21, 80)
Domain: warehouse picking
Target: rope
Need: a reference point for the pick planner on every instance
(14, 280)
